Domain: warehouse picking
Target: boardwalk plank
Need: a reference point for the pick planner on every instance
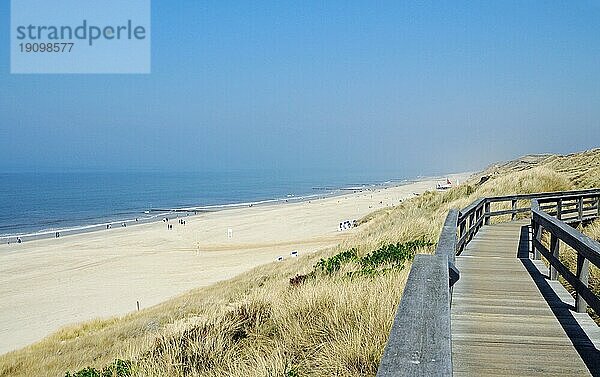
(502, 323)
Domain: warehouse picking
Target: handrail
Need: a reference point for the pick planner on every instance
(479, 213)
(470, 220)
(567, 197)
(420, 341)
(539, 195)
(447, 243)
(588, 251)
(423, 316)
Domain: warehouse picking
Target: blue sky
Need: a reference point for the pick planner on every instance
(409, 87)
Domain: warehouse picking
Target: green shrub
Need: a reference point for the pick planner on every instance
(333, 264)
(119, 368)
(392, 256)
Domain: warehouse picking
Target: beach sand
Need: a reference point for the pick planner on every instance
(50, 283)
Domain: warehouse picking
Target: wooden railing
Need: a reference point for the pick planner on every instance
(479, 213)
(420, 341)
(581, 208)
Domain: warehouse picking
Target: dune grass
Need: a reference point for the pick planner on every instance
(333, 322)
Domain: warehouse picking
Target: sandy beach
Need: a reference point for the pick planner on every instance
(46, 284)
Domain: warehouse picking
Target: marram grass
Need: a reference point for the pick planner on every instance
(258, 324)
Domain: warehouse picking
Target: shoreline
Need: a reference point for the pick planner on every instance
(179, 212)
(50, 283)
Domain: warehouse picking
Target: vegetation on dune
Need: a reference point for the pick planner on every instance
(119, 368)
(327, 313)
(581, 169)
(593, 230)
(381, 260)
(571, 167)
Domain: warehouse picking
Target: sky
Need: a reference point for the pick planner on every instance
(411, 87)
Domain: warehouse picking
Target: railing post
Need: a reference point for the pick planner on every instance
(532, 235)
(471, 222)
(559, 209)
(481, 216)
(583, 268)
(580, 205)
(537, 235)
(487, 213)
(514, 209)
(554, 249)
(531, 232)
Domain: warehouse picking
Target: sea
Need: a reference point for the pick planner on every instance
(36, 203)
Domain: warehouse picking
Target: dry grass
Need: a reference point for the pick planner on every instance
(335, 328)
(571, 167)
(257, 324)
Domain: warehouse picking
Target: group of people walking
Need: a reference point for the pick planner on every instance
(348, 224)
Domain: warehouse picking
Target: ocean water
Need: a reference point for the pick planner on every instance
(37, 202)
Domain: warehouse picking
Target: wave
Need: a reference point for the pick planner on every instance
(130, 215)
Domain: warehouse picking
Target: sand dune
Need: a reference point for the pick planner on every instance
(46, 284)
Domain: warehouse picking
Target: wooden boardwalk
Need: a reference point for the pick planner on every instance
(509, 320)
